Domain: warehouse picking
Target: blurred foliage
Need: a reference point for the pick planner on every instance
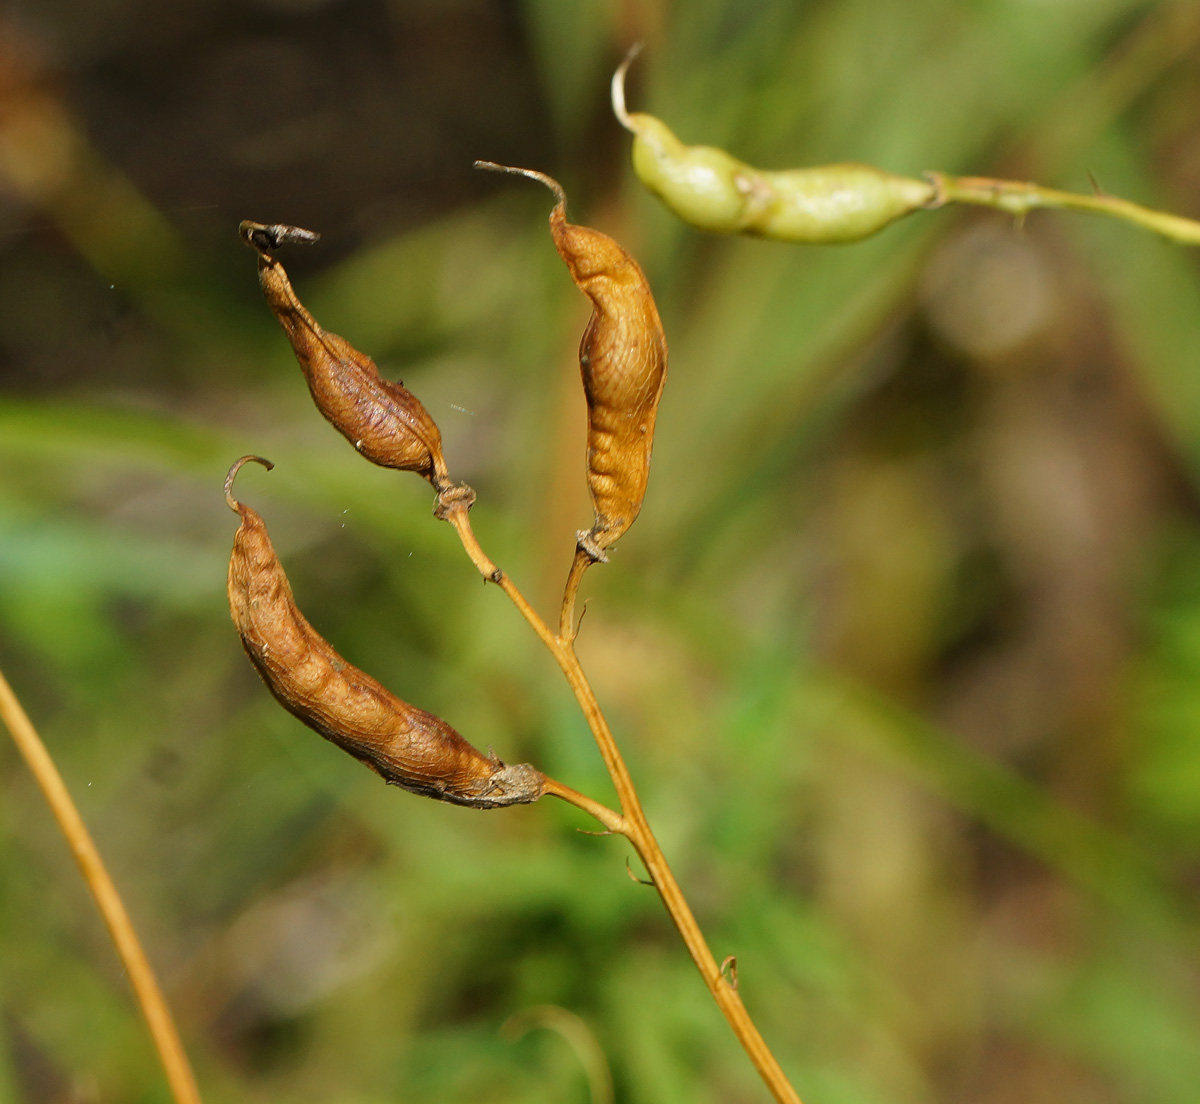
(904, 649)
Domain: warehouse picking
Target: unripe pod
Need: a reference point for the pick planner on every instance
(623, 361)
(383, 420)
(405, 745)
(712, 190)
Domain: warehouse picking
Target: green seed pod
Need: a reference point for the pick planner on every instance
(712, 190)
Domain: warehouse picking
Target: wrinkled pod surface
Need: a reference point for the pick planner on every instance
(623, 363)
(405, 745)
(382, 419)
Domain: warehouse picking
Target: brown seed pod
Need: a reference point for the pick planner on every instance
(405, 745)
(383, 420)
(623, 360)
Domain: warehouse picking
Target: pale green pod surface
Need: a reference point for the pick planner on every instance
(712, 190)
(834, 203)
(699, 183)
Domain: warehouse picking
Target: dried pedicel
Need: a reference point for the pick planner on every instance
(712, 190)
(623, 361)
(405, 745)
(383, 420)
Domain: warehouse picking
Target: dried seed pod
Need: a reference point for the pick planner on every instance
(383, 420)
(712, 190)
(405, 745)
(623, 361)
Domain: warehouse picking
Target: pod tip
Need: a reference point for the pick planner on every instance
(533, 174)
(233, 504)
(618, 87)
(267, 237)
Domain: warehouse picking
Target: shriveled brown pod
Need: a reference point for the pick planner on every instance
(405, 745)
(623, 360)
(383, 420)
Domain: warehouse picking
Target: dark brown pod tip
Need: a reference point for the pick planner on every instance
(266, 238)
(623, 362)
(403, 744)
(383, 420)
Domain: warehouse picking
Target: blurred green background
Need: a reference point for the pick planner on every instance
(904, 650)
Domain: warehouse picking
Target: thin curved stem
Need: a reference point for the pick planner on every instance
(567, 627)
(1018, 197)
(561, 650)
(631, 822)
(577, 1035)
(145, 986)
(613, 821)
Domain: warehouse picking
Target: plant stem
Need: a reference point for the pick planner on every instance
(631, 822)
(145, 986)
(577, 1035)
(613, 821)
(1018, 197)
(567, 628)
